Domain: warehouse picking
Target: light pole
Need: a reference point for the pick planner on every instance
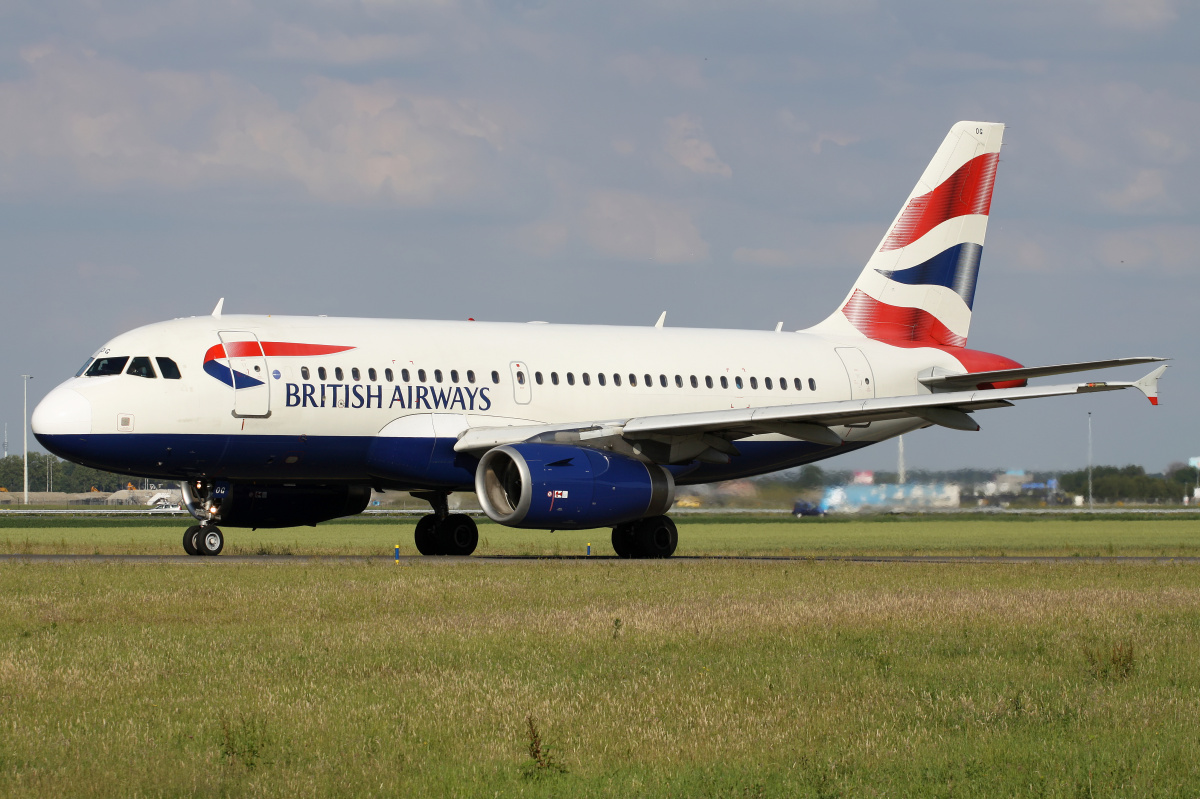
(25, 425)
(1091, 507)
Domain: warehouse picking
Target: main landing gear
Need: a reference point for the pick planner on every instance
(203, 539)
(443, 532)
(653, 537)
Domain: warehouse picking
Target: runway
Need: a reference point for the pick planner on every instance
(412, 560)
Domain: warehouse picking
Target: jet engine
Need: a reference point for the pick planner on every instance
(553, 486)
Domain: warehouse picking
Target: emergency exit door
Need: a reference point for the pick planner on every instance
(858, 370)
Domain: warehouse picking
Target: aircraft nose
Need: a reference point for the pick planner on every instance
(63, 412)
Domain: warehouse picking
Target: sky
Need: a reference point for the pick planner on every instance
(733, 164)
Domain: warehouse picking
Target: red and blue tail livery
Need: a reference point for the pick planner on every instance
(918, 288)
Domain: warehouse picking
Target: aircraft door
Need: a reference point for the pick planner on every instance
(248, 374)
(522, 390)
(858, 370)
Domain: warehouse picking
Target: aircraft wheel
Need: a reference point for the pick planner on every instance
(458, 535)
(656, 537)
(426, 537)
(210, 541)
(623, 542)
(190, 537)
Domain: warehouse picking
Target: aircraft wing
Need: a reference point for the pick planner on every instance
(952, 382)
(672, 438)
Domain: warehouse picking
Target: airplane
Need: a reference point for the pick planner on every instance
(279, 421)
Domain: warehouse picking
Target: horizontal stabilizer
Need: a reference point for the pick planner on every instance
(974, 379)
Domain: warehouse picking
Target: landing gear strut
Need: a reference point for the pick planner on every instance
(443, 532)
(204, 538)
(653, 537)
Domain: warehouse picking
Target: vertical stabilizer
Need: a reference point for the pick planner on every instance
(918, 288)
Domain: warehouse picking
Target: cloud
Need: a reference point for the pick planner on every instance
(85, 122)
(292, 42)
(1158, 248)
(656, 67)
(763, 257)
(633, 226)
(1142, 15)
(1145, 193)
(685, 143)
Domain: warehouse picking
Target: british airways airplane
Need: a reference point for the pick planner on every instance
(276, 421)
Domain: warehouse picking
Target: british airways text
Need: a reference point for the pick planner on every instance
(339, 395)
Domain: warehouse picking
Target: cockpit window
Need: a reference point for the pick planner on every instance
(83, 368)
(168, 368)
(107, 366)
(141, 367)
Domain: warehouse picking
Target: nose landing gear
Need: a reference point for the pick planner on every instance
(442, 532)
(203, 503)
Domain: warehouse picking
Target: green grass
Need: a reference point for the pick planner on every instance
(965, 535)
(605, 678)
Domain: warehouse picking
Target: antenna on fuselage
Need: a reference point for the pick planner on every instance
(217, 311)
(661, 319)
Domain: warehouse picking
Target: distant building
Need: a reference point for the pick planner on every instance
(890, 496)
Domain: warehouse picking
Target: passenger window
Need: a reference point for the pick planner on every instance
(404, 375)
(678, 381)
(649, 381)
(724, 381)
(587, 381)
(754, 383)
(633, 380)
(570, 378)
(168, 369)
(321, 372)
(554, 378)
(783, 384)
(537, 377)
(140, 367)
(812, 384)
(520, 377)
(387, 375)
(600, 378)
(767, 383)
(662, 380)
(107, 366)
(495, 377)
(737, 381)
(799, 386)
(453, 375)
(470, 376)
(616, 379)
(372, 374)
(303, 372)
(357, 375)
(421, 375)
(437, 375)
(695, 383)
(338, 374)
(83, 368)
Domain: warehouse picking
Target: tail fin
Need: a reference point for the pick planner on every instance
(919, 286)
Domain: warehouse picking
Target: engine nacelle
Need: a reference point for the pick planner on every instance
(554, 487)
(275, 504)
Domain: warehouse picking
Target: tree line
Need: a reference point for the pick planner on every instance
(48, 473)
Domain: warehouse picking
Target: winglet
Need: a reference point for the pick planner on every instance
(661, 319)
(217, 311)
(1148, 385)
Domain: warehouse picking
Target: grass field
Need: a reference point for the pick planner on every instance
(961, 535)
(605, 678)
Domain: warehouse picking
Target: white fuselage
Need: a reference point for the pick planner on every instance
(431, 378)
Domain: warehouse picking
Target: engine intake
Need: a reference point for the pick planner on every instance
(553, 486)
